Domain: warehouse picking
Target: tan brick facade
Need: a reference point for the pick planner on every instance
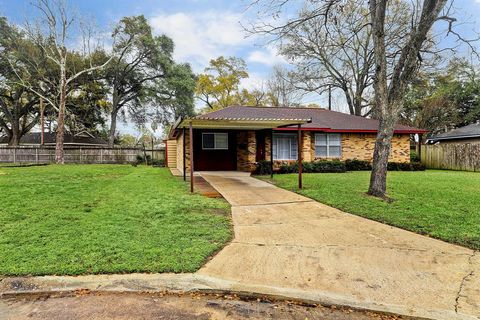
(308, 151)
(354, 146)
(246, 150)
(360, 146)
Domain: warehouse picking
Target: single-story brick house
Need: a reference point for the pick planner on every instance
(237, 137)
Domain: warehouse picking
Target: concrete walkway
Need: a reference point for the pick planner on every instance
(290, 245)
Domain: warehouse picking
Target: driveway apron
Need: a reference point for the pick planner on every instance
(285, 242)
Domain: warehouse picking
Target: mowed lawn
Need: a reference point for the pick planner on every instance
(78, 219)
(442, 204)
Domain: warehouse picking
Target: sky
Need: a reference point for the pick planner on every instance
(205, 29)
(201, 29)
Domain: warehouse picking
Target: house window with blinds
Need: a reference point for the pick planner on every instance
(285, 146)
(215, 141)
(328, 145)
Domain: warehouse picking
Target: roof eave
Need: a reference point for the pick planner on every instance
(401, 131)
(241, 123)
(455, 137)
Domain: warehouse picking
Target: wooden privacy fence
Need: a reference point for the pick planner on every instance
(452, 156)
(94, 155)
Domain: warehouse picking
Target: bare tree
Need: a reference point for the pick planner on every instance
(390, 91)
(280, 89)
(51, 34)
(254, 98)
(395, 62)
(336, 56)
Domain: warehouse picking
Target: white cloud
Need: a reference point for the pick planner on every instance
(269, 56)
(254, 81)
(201, 36)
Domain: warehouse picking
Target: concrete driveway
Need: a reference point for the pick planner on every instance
(291, 245)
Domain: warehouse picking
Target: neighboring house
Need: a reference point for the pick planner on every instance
(462, 135)
(81, 139)
(237, 137)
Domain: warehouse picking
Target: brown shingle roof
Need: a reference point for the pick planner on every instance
(467, 132)
(322, 119)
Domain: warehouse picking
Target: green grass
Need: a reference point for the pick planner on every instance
(78, 219)
(441, 204)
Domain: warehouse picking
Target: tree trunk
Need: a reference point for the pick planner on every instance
(358, 105)
(378, 177)
(383, 145)
(389, 97)
(59, 154)
(113, 127)
(14, 134)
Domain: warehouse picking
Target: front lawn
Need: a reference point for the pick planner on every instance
(77, 219)
(442, 204)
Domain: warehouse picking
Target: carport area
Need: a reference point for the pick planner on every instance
(287, 244)
(231, 144)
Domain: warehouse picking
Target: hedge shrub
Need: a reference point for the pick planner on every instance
(319, 166)
(158, 163)
(361, 165)
(336, 166)
(140, 159)
(400, 166)
(414, 156)
(358, 165)
(263, 167)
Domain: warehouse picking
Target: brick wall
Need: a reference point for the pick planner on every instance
(361, 146)
(354, 146)
(246, 150)
(308, 150)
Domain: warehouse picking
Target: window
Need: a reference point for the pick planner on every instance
(215, 141)
(285, 146)
(328, 145)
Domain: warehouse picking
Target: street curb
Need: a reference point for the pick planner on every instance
(189, 283)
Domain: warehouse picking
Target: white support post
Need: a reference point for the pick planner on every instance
(15, 155)
(36, 155)
(101, 155)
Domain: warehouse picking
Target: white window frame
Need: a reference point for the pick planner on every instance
(275, 146)
(328, 145)
(215, 134)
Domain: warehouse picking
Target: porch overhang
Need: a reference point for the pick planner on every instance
(237, 124)
(240, 123)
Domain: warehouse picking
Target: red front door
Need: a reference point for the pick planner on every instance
(260, 137)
